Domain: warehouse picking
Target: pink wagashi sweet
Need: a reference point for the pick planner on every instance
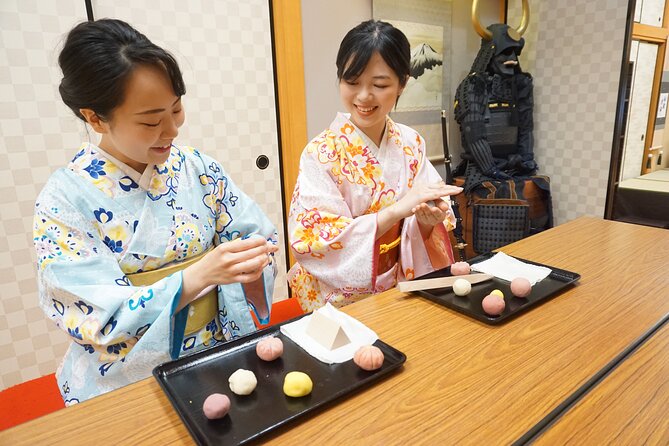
(460, 268)
(368, 357)
(493, 304)
(216, 406)
(521, 287)
(269, 348)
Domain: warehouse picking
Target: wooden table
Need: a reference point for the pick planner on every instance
(464, 382)
(630, 406)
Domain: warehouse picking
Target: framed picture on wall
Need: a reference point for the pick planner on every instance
(423, 91)
(427, 25)
(662, 106)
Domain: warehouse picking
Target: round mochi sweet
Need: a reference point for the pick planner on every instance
(297, 384)
(368, 357)
(521, 287)
(243, 382)
(498, 293)
(460, 268)
(462, 287)
(269, 348)
(216, 406)
(493, 305)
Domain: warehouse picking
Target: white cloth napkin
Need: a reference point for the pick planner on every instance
(508, 268)
(357, 332)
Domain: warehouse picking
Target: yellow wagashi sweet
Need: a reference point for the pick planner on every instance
(297, 384)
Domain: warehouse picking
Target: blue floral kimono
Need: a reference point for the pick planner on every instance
(94, 226)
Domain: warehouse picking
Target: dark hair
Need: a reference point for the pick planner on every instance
(369, 37)
(99, 57)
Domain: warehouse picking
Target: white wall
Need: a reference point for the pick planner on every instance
(576, 68)
(324, 24)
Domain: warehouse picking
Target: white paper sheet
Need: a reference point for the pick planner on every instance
(357, 332)
(508, 268)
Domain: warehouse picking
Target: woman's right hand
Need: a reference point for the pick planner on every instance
(237, 261)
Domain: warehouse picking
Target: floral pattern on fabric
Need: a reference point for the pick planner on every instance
(54, 242)
(316, 230)
(344, 181)
(214, 200)
(94, 227)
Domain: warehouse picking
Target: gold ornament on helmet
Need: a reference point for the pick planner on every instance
(487, 35)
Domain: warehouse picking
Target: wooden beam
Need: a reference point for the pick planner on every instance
(649, 33)
(289, 59)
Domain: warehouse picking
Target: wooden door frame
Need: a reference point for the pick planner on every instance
(654, 98)
(653, 34)
(658, 36)
(619, 123)
(286, 23)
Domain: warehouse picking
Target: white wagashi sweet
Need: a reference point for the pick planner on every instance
(243, 382)
(462, 287)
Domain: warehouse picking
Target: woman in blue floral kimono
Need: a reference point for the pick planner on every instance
(117, 230)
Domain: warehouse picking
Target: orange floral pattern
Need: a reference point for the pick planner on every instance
(316, 230)
(344, 181)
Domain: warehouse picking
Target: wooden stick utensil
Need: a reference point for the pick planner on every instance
(440, 282)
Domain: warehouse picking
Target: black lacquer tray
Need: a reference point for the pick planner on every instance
(470, 305)
(189, 380)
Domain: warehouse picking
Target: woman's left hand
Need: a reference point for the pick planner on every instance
(428, 216)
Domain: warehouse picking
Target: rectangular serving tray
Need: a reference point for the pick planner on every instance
(189, 380)
(470, 305)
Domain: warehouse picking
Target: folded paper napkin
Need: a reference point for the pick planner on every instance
(357, 332)
(508, 268)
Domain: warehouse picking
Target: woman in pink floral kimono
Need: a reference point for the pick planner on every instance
(368, 208)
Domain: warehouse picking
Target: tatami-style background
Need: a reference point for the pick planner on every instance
(224, 49)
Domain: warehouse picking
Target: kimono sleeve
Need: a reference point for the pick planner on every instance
(421, 255)
(335, 246)
(237, 215)
(83, 290)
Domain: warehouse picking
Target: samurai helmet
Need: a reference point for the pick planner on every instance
(498, 38)
(503, 38)
(509, 33)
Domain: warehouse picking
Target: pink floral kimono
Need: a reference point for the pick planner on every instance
(344, 180)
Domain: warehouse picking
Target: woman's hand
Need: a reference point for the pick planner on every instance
(428, 216)
(238, 261)
(412, 201)
(421, 194)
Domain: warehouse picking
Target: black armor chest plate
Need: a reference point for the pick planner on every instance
(501, 118)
